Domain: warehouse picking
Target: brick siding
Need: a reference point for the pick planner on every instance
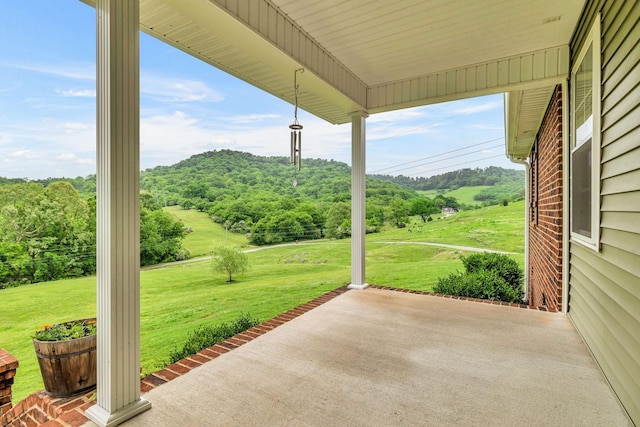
(545, 219)
(8, 367)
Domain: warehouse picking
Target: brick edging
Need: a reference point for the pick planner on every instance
(485, 301)
(40, 409)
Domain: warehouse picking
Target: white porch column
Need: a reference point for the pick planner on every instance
(118, 220)
(358, 205)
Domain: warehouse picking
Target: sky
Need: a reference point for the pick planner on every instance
(48, 104)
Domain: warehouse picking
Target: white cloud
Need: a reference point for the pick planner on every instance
(253, 118)
(391, 132)
(399, 115)
(78, 71)
(83, 93)
(168, 89)
(66, 156)
(479, 108)
(481, 126)
(27, 154)
(5, 139)
(72, 158)
(75, 126)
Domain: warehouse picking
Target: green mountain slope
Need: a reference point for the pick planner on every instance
(231, 174)
(479, 186)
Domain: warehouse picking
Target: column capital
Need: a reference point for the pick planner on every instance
(359, 113)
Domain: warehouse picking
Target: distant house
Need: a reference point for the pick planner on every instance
(448, 211)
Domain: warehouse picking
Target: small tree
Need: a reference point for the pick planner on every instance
(424, 207)
(338, 223)
(398, 212)
(229, 260)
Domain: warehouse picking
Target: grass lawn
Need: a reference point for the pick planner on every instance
(206, 233)
(499, 228)
(174, 301)
(410, 266)
(178, 298)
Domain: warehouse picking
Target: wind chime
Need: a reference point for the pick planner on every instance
(296, 131)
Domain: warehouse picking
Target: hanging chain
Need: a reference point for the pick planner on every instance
(296, 86)
(296, 128)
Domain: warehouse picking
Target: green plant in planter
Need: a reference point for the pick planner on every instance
(67, 330)
(67, 356)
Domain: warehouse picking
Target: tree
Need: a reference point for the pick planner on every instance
(160, 237)
(398, 212)
(229, 260)
(338, 224)
(424, 207)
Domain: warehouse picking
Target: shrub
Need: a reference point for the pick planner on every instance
(488, 276)
(205, 336)
(505, 267)
(483, 284)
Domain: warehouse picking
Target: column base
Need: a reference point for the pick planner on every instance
(103, 418)
(358, 287)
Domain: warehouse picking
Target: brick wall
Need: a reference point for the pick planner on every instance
(8, 367)
(545, 220)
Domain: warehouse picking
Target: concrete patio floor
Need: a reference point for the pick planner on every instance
(382, 358)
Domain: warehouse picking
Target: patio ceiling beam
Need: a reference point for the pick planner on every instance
(264, 48)
(546, 67)
(273, 25)
(259, 44)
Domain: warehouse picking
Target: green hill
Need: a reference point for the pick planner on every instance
(228, 174)
(256, 196)
(479, 186)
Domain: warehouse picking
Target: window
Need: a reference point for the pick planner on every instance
(585, 142)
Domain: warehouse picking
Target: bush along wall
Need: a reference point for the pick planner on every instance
(487, 275)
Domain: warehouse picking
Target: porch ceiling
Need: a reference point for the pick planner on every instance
(374, 55)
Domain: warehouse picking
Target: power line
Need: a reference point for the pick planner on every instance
(441, 154)
(458, 164)
(448, 158)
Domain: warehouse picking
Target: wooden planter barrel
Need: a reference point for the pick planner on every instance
(67, 367)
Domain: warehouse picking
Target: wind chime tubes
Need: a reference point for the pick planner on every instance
(296, 130)
(296, 144)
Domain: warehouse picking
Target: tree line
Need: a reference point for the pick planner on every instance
(49, 233)
(47, 227)
(506, 184)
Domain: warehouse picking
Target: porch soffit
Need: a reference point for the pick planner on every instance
(524, 112)
(373, 55)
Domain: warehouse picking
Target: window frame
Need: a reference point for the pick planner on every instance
(594, 41)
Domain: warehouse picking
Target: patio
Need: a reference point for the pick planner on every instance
(382, 357)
